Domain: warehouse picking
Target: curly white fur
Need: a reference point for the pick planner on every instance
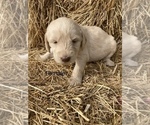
(131, 46)
(69, 42)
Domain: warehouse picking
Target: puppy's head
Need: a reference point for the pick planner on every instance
(64, 38)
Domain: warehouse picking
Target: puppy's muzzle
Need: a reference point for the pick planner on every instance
(65, 59)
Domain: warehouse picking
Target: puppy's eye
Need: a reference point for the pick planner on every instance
(55, 42)
(74, 41)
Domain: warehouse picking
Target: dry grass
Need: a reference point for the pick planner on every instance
(51, 102)
(13, 22)
(13, 87)
(136, 92)
(13, 72)
(136, 18)
(98, 101)
(103, 13)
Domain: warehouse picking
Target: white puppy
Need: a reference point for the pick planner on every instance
(130, 47)
(68, 42)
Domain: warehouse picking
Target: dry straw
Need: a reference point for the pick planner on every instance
(13, 73)
(98, 101)
(136, 18)
(13, 24)
(103, 13)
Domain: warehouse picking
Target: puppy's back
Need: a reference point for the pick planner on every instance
(130, 44)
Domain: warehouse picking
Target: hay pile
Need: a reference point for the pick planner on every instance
(13, 72)
(103, 13)
(13, 24)
(136, 92)
(98, 101)
(136, 18)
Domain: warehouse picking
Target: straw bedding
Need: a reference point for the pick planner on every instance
(135, 81)
(13, 72)
(13, 22)
(51, 102)
(13, 88)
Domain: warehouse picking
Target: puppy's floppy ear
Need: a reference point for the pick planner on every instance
(46, 43)
(83, 37)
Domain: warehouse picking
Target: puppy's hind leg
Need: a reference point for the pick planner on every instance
(128, 59)
(130, 62)
(108, 61)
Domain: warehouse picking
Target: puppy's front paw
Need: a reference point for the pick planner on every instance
(37, 57)
(43, 57)
(74, 81)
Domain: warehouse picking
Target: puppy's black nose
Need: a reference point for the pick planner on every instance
(65, 58)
